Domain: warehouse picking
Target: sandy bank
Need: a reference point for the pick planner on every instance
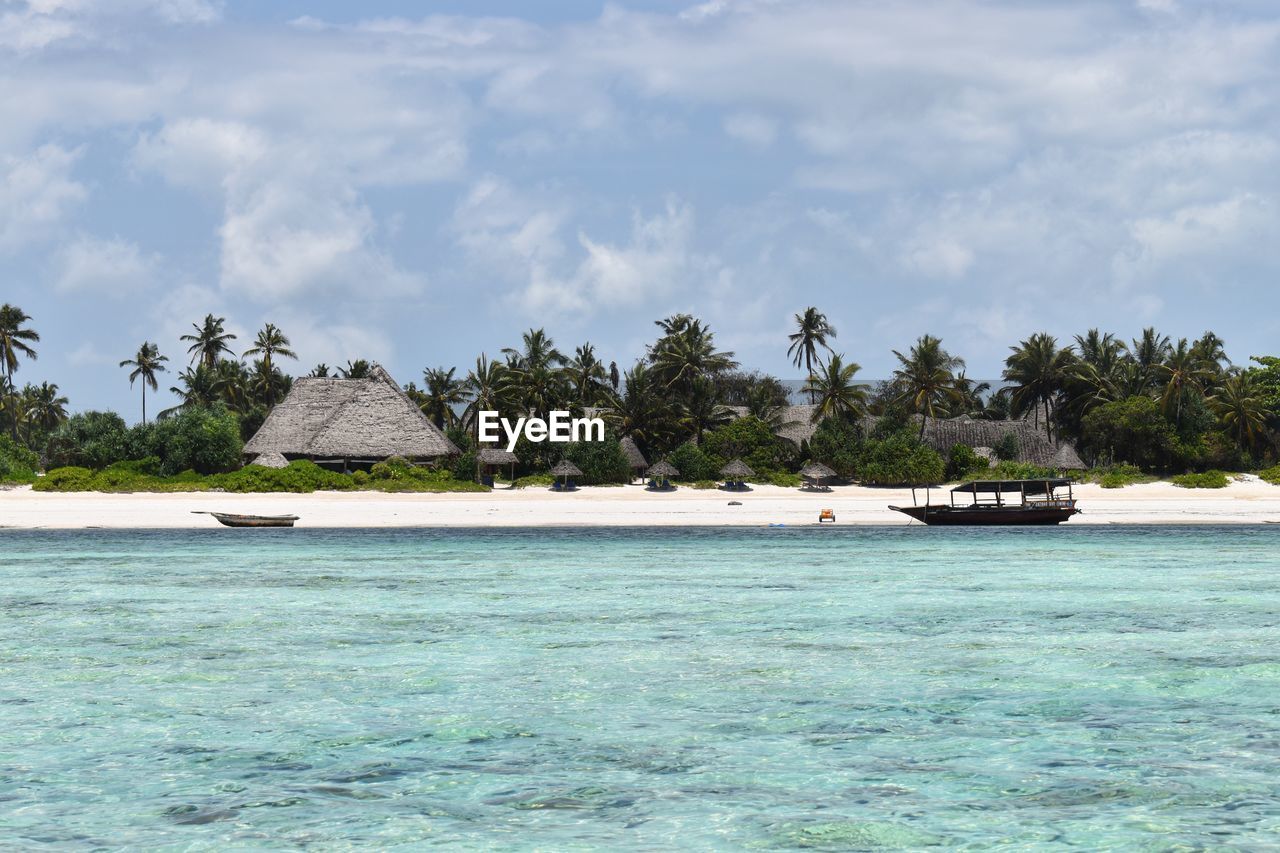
(1248, 502)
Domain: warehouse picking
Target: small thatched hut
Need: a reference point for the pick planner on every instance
(635, 459)
(815, 475)
(735, 473)
(347, 423)
(489, 461)
(565, 471)
(660, 475)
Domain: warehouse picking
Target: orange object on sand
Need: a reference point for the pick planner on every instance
(827, 515)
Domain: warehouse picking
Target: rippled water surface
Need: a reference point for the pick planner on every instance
(789, 688)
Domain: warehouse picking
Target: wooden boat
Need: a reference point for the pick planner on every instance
(233, 520)
(998, 502)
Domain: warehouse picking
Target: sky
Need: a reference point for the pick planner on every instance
(417, 183)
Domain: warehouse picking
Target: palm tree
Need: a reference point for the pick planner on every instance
(485, 384)
(971, 396)
(1241, 409)
(146, 364)
(442, 394)
(320, 371)
(1149, 352)
(686, 351)
(1184, 371)
(199, 386)
(210, 340)
(270, 341)
(926, 378)
(703, 410)
(1038, 369)
(539, 351)
(834, 391)
(358, 369)
(614, 377)
(15, 340)
(586, 376)
(1103, 351)
(812, 331)
(263, 384)
(45, 407)
(643, 412)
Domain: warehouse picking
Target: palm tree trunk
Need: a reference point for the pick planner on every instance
(144, 402)
(13, 415)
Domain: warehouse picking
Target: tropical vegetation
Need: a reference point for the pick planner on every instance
(1153, 405)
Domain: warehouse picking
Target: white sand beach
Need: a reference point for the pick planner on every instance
(1249, 501)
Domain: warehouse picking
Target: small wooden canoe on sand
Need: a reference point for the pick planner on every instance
(233, 520)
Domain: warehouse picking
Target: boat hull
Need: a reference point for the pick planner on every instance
(989, 516)
(231, 520)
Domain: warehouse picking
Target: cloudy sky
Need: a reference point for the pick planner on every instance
(418, 182)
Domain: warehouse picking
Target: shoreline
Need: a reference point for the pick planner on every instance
(1250, 501)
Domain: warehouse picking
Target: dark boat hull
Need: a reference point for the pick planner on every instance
(231, 520)
(991, 516)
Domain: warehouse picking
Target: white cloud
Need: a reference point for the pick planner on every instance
(107, 266)
(752, 128)
(36, 194)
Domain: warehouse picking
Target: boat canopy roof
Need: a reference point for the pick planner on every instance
(1030, 487)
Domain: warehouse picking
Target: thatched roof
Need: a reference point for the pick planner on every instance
(349, 419)
(816, 471)
(565, 468)
(271, 459)
(635, 458)
(663, 469)
(496, 456)
(737, 470)
(1034, 445)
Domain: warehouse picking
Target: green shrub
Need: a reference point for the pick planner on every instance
(1007, 447)
(962, 460)
(1119, 476)
(701, 484)
(464, 467)
(533, 480)
(71, 478)
(1271, 475)
(360, 479)
(751, 440)
(835, 443)
(601, 462)
(17, 463)
(1205, 480)
(300, 476)
(784, 479)
(88, 440)
(693, 464)
(898, 460)
(205, 440)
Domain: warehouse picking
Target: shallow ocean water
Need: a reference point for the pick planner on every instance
(868, 688)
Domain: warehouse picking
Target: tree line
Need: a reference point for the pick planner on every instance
(1152, 401)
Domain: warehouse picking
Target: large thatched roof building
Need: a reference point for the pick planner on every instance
(795, 423)
(347, 422)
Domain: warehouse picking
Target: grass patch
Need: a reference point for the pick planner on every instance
(1205, 480)
(1270, 475)
(533, 481)
(299, 477)
(1119, 476)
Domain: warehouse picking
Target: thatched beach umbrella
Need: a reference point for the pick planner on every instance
(664, 470)
(566, 469)
(735, 472)
(635, 459)
(815, 472)
(496, 457)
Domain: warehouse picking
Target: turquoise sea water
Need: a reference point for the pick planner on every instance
(869, 688)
